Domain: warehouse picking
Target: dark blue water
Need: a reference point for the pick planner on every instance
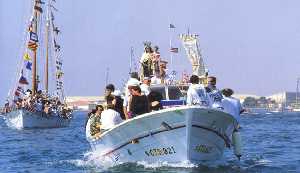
(271, 144)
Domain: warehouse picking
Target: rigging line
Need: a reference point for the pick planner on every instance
(57, 57)
(24, 41)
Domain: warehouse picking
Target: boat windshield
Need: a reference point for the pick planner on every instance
(173, 91)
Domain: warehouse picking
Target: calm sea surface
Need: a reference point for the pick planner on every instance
(271, 144)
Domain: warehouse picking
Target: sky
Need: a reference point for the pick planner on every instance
(251, 46)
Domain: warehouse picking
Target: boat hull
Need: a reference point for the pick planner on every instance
(25, 119)
(173, 135)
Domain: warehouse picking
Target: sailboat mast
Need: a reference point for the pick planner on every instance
(47, 54)
(34, 68)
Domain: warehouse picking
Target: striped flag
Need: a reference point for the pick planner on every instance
(21, 90)
(32, 45)
(23, 80)
(174, 49)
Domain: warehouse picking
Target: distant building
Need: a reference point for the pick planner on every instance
(243, 96)
(285, 98)
(84, 102)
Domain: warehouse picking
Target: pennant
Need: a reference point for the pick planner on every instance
(59, 74)
(32, 45)
(30, 28)
(57, 47)
(52, 16)
(172, 26)
(28, 65)
(27, 57)
(174, 49)
(56, 30)
(39, 9)
(23, 80)
(21, 90)
(17, 93)
(53, 8)
(34, 37)
(58, 63)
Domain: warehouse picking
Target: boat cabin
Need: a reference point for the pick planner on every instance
(172, 95)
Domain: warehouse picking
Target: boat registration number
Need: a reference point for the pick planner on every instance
(160, 151)
(203, 149)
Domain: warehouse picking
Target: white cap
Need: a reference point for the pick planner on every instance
(133, 82)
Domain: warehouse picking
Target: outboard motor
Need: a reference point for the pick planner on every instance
(237, 143)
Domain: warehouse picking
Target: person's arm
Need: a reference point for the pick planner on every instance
(189, 98)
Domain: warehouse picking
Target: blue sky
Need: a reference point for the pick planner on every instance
(252, 46)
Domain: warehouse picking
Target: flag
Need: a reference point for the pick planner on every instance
(33, 36)
(27, 57)
(21, 90)
(23, 80)
(172, 26)
(39, 9)
(17, 93)
(174, 49)
(59, 74)
(32, 45)
(28, 65)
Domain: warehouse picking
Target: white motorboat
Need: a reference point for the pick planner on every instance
(175, 134)
(185, 133)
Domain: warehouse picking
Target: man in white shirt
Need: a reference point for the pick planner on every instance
(145, 86)
(214, 93)
(231, 105)
(196, 94)
(133, 81)
(110, 118)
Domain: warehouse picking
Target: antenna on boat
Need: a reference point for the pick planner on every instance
(131, 58)
(106, 76)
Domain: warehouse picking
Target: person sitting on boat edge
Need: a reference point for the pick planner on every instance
(110, 117)
(95, 121)
(214, 93)
(138, 103)
(231, 105)
(196, 94)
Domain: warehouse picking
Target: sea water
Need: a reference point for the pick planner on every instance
(271, 143)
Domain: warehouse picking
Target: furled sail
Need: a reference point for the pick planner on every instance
(190, 44)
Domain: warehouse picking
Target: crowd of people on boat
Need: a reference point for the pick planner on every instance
(210, 96)
(138, 99)
(38, 102)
